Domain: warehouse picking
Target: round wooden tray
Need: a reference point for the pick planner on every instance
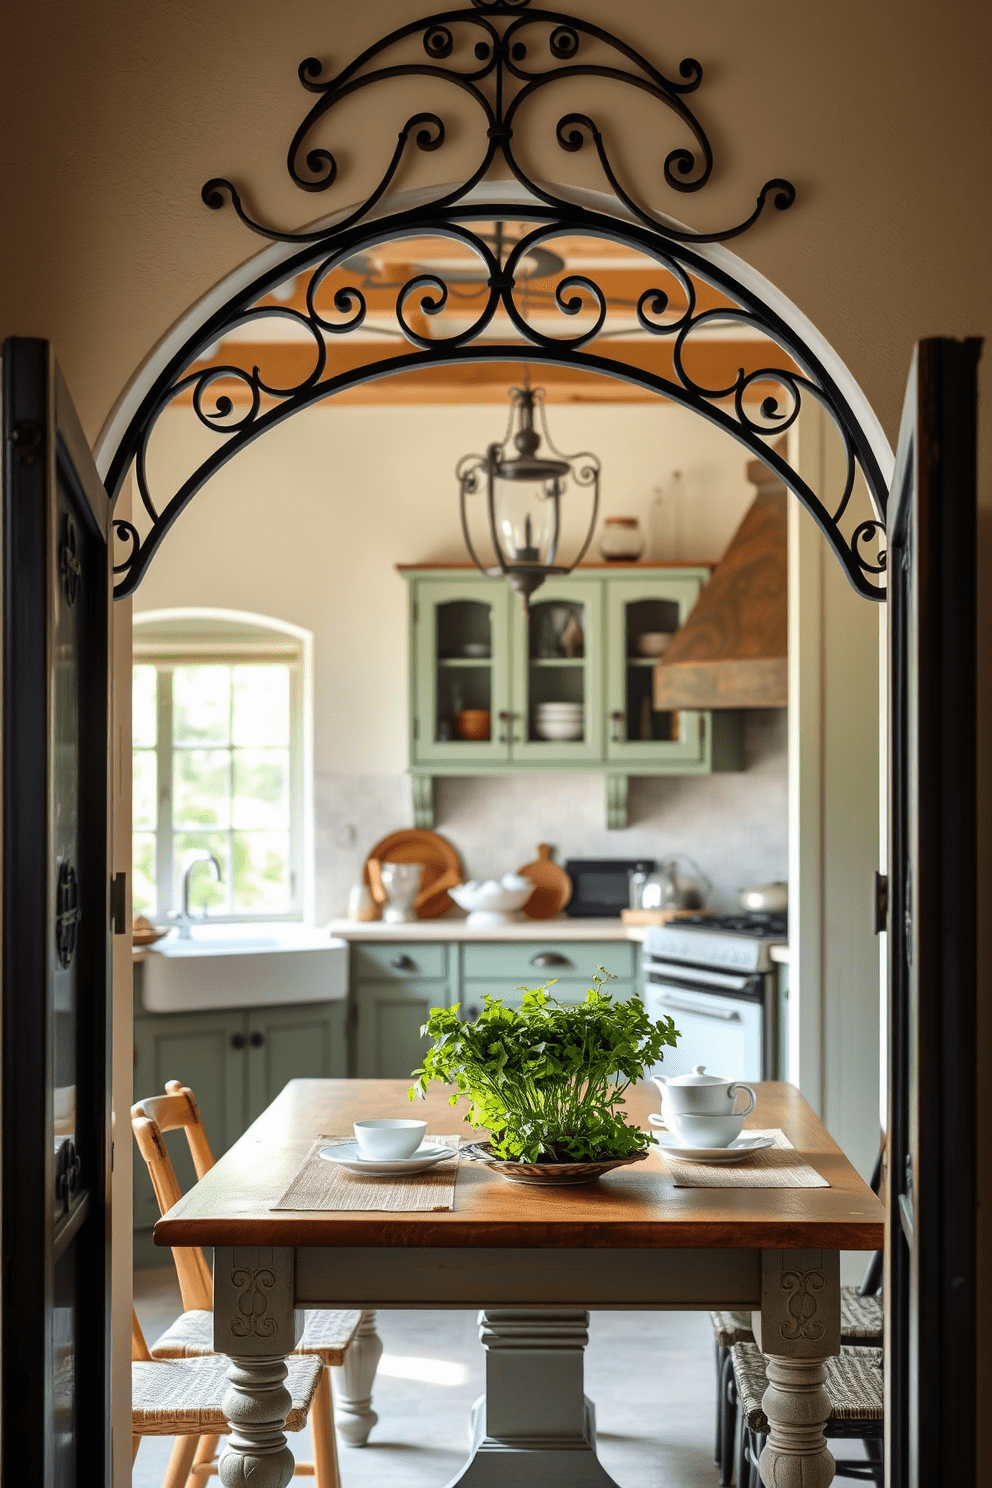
(554, 887)
(559, 1175)
(442, 867)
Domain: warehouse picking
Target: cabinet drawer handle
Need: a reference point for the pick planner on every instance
(507, 735)
(550, 958)
(617, 720)
(238, 1040)
(257, 1040)
(403, 963)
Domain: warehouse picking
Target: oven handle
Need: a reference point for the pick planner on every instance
(685, 1007)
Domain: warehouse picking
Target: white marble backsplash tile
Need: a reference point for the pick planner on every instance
(735, 825)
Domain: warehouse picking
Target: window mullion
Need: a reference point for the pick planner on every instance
(164, 868)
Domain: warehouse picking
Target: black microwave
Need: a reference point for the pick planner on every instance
(601, 886)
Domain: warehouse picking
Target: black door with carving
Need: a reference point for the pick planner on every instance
(56, 1033)
(931, 1252)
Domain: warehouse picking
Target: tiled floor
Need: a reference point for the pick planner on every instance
(651, 1376)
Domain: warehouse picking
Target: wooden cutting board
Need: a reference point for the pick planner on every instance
(554, 887)
(442, 867)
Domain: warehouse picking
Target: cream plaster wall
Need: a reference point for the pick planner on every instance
(308, 524)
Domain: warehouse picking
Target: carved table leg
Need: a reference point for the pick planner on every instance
(797, 1328)
(353, 1384)
(533, 1427)
(256, 1326)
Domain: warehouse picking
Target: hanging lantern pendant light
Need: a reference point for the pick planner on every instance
(524, 490)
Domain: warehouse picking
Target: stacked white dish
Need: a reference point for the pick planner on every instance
(559, 720)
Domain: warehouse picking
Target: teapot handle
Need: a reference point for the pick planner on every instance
(732, 1094)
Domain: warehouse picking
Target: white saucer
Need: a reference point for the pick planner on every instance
(739, 1149)
(347, 1155)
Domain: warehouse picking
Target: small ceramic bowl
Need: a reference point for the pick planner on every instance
(473, 723)
(493, 902)
(652, 642)
(388, 1138)
(558, 728)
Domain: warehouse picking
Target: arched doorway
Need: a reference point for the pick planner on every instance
(777, 388)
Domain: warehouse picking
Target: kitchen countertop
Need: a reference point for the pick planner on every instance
(559, 928)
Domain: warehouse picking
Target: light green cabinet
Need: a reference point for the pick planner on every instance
(236, 1062)
(565, 687)
(391, 999)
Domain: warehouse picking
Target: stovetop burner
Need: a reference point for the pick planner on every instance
(760, 926)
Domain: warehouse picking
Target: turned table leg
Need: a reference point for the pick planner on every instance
(256, 1326)
(353, 1384)
(797, 1329)
(533, 1428)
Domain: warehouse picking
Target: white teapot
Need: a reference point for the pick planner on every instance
(700, 1094)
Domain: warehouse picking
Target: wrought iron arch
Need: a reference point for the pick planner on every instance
(497, 66)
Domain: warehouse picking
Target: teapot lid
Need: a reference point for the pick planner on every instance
(698, 1077)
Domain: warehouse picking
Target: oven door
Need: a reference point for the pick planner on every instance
(720, 1019)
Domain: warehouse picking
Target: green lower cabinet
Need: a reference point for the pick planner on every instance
(389, 1017)
(303, 1042)
(206, 1052)
(236, 1063)
(562, 991)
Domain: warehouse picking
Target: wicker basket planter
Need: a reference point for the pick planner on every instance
(557, 1175)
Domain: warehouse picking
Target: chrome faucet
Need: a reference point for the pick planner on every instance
(184, 918)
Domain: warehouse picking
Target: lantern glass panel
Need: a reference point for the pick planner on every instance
(527, 519)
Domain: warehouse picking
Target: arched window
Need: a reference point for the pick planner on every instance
(222, 756)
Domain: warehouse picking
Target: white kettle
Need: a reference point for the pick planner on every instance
(700, 1094)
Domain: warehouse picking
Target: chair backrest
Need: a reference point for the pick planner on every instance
(150, 1118)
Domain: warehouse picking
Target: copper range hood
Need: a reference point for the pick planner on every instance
(731, 651)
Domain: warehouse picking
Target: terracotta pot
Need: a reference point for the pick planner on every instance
(474, 724)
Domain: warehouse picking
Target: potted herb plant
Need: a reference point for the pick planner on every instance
(547, 1080)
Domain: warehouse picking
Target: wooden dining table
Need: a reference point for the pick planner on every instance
(534, 1261)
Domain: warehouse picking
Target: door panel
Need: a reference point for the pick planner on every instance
(206, 1051)
(638, 735)
(558, 660)
(930, 1250)
(388, 1040)
(462, 664)
(56, 902)
(294, 1043)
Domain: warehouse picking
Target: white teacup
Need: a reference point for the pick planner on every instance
(388, 1139)
(706, 1131)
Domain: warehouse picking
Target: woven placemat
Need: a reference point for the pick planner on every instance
(319, 1184)
(773, 1167)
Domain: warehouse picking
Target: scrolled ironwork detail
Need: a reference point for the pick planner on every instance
(70, 567)
(501, 54)
(509, 63)
(67, 914)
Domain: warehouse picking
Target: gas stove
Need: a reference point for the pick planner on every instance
(713, 974)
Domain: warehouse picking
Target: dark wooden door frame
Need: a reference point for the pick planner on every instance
(931, 1190)
(50, 1214)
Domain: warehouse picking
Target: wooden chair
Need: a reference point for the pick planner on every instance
(182, 1398)
(854, 1382)
(327, 1335)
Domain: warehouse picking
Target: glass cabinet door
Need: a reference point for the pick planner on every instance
(557, 693)
(461, 668)
(640, 610)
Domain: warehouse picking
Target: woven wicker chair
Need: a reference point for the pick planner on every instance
(182, 1398)
(326, 1336)
(854, 1382)
(861, 1325)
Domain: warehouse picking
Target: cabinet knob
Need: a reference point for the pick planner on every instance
(257, 1040)
(238, 1040)
(506, 719)
(617, 720)
(403, 963)
(550, 958)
